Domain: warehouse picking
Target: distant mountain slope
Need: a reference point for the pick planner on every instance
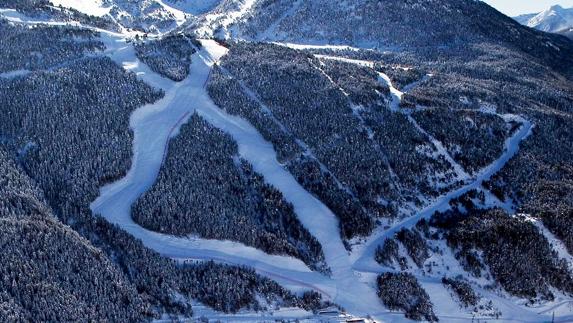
(524, 19)
(145, 15)
(395, 24)
(553, 19)
(568, 32)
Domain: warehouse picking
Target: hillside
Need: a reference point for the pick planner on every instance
(293, 160)
(395, 24)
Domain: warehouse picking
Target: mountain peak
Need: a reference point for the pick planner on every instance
(553, 19)
(556, 7)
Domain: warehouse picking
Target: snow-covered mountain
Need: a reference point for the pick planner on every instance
(389, 25)
(554, 19)
(263, 160)
(146, 15)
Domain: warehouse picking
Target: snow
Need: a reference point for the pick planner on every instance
(366, 261)
(396, 94)
(268, 34)
(213, 21)
(180, 16)
(553, 19)
(316, 46)
(89, 7)
(396, 99)
(14, 74)
(335, 58)
(289, 314)
(352, 282)
(442, 151)
(194, 7)
(307, 151)
(15, 16)
(557, 245)
(316, 217)
(154, 124)
(101, 8)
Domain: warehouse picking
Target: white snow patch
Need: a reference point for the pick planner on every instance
(369, 64)
(194, 7)
(89, 7)
(180, 16)
(222, 21)
(14, 74)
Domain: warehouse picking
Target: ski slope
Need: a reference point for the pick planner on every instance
(89, 7)
(14, 74)
(366, 261)
(557, 245)
(351, 283)
(221, 22)
(153, 125)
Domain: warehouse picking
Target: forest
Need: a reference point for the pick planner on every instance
(204, 188)
(169, 56)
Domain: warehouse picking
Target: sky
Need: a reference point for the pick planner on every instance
(518, 7)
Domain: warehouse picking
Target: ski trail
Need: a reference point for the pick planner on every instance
(316, 217)
(366, 262)
(396, 98)
(357, 113)
(154, 124)
(557, 245)
(306, 150)
(442, 151)
(14, 74)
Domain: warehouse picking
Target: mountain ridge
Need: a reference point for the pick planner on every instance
(554, 19)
